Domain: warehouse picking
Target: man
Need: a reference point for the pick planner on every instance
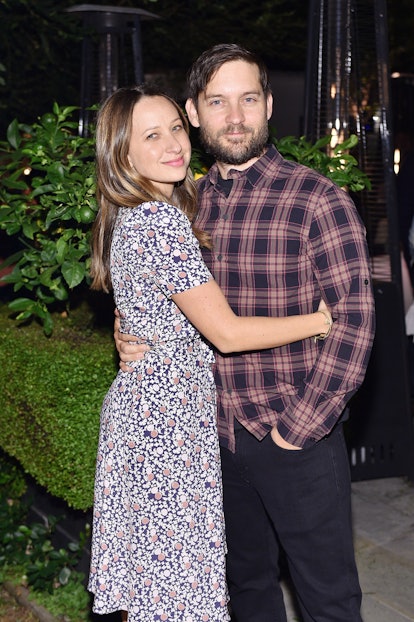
(283, 237)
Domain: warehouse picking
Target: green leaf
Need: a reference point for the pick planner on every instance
(11, 259)
(13, 134)
(322, 142)
(45, 277)
(65, 112)
(44, 297)
(59, 290)
(13, 184)
(11, 228)
(48, 325)
(64, 576)
(56, 172)
(29, 229)
(21, 304)
(61, 249)
(73, 273)
(349, 143)
(43, 189)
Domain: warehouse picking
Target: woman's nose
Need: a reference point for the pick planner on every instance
(174, 145)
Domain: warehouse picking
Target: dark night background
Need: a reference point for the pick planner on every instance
(40, 43)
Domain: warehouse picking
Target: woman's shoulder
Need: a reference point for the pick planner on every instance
(164, 214)
(155, 216)
(160, 207)
(152, 208)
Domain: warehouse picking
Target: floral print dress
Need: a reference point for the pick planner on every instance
(158, 547)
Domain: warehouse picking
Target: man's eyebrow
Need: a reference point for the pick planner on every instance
(213, 95)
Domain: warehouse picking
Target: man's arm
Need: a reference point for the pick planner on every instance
(339, 253)
(127, 345)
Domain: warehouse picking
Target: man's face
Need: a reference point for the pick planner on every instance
(232, 114)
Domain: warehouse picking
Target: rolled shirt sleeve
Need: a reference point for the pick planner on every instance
(338, 251)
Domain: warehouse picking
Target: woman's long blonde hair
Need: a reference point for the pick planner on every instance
(119, 185)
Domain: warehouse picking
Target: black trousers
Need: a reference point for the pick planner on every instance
(301, 501)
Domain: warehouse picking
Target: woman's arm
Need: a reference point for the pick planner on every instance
(216, 320)
(208, 310)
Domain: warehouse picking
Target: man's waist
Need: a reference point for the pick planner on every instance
(269, 371)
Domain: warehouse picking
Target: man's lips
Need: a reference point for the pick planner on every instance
(235, 133)
(234, 137)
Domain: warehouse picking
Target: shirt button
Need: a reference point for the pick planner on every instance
(219, 257)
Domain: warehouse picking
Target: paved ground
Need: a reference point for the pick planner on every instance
(384, 540)
(383, 512)
(11, 610)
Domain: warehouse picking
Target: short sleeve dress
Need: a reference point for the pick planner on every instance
(158, 544)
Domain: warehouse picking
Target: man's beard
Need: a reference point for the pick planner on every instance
(237, 152)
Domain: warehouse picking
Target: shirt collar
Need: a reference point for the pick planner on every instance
(255, 172)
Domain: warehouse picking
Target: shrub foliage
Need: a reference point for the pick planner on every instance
(52, 391)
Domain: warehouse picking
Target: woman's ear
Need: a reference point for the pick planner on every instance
(192, 113)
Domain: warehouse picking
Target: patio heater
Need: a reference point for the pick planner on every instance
(348, 92)
(111, 52)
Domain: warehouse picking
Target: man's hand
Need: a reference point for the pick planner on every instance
(128, 346)
(280, 441)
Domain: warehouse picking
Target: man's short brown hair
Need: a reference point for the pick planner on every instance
(210, 61)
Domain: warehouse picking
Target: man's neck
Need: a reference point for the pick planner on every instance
(224, 167)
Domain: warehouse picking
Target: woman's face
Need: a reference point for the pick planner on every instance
(159, 148)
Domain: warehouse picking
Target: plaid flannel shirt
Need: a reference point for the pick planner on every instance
(284, 237)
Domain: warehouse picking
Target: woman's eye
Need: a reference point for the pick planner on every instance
(177, 128)
(151, 136)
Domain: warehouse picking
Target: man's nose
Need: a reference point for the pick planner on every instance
(235, 114)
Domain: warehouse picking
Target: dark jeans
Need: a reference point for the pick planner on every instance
(303, 497)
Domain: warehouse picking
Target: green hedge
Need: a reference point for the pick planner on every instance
(51, 394)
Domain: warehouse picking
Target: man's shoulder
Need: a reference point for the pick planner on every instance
(205, 184)
(270, 167)
(273, 165)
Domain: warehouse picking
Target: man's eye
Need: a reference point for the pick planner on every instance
(215, 102)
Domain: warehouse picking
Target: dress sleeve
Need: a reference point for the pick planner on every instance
(170, 252)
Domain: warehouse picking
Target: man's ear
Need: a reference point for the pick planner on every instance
(269, 105)
(192, 113)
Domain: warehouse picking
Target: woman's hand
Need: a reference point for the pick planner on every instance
(322, 308)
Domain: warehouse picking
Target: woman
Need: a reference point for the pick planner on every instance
(158, 537)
